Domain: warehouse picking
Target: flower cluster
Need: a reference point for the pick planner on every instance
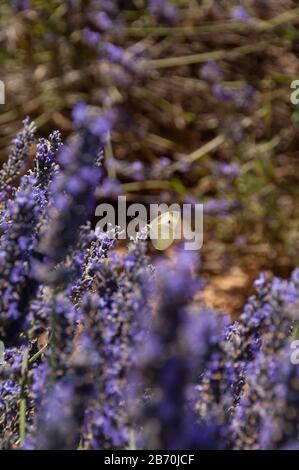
(103, 351)
(188, 108)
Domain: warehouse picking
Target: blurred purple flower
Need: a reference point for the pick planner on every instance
(219, 206)
(91, 37)
(211, 72)
(20, 5)
(163, 9)
(236, 96)
(103, 20)
(110, 188)
(239, 13)
(229, 170)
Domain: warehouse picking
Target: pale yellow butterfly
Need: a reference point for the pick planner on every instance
(164, 229)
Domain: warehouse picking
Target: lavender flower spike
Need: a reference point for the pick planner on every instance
(17, 158)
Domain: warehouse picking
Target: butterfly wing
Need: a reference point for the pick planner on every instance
(163, 229)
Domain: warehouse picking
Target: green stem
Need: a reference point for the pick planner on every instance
(204, 56)
(222, 27)
(22, 424)
(109, 158)
(201, 152)
(150, 184)
(22, 419)
(37, 355)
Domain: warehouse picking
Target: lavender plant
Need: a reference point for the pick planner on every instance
(103, 351)
(187, 102)
(17, 158)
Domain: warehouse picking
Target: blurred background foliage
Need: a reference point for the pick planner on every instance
(196, 94)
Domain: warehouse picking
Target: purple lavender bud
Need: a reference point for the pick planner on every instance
(114, 53)
(239, 13)
(45, 159)
(260, 282)
(221, 93)
(237, 97)
(219, 206)
(103, 21)
(79, 113)
(92, 38)
(18, 156)
(229, 170)
(110, 188)
(163, 9)
(211, 72)
(20, 5)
